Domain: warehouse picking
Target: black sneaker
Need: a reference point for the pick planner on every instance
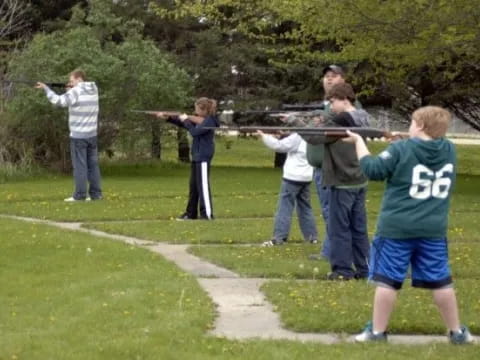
(359, 276)
(334, 276)
(206, 218)
(185, 217)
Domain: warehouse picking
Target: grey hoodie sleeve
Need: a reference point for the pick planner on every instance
(68, 99)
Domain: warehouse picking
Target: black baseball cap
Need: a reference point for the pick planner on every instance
(334, 68)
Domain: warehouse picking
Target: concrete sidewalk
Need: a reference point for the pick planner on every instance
(243, 311)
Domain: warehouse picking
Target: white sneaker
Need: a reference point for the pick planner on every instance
(367, 335)
(462, 337)
(72, 199)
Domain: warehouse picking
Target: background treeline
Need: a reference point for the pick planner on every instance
(400, 54)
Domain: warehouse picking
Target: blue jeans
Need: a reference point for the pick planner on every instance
(291, 194)
(347, 225)
(323, 194)
(85, 168)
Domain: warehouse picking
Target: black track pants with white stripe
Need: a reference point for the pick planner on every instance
(199, 194)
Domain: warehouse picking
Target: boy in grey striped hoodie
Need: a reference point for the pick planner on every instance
(82, 102)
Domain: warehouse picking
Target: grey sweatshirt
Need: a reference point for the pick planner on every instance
(82, 103)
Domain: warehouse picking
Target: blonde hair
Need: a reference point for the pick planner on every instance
(207, 105)
(79, 74)
(434, 120)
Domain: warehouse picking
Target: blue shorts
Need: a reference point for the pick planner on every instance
(390, 258)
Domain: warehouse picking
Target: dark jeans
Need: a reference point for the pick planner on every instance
(199, 197)
(347, 226)
(323, 198)
(85, 168)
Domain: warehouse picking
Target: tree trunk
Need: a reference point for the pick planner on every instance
(183, 147)
(279, 160)
(156, 151)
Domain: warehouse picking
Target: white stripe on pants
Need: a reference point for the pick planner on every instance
(206, 189)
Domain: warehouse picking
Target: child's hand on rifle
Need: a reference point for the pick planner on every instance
(397, 135)
(352, 137)
(40, 85)
(317, 120)
(161, 114)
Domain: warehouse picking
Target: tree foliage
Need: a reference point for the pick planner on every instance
(131, 72)
(405, 52)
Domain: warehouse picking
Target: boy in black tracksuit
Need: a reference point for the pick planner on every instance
(203, 149)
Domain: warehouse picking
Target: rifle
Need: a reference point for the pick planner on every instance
(155, 112)
(285, 109)
(302, 107)
(33, 83)
(315, 135)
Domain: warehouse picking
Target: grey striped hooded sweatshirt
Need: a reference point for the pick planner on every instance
(82, 103)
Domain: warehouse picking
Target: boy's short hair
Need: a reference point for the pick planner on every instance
(341, 92)
(79, 74)
(434, 119)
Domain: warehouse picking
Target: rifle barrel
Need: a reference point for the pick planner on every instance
(155, 112)
(33, 83)
(149, 112)
(302, 107)
(323, 131)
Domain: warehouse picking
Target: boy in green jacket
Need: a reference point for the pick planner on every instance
(412, 225)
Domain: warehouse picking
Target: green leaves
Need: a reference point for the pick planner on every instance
(131, 72)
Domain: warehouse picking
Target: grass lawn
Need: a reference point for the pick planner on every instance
(244, 218)
(68, 295)
(346, 307)
(291, 261)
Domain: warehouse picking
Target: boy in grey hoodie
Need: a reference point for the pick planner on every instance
(82, 102)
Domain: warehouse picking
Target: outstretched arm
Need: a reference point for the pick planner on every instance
(195, 119)
(70, 98)
(203, 126)
(378, 167)
(289, 143)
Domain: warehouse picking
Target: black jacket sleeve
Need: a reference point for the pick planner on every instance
(176, 121)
